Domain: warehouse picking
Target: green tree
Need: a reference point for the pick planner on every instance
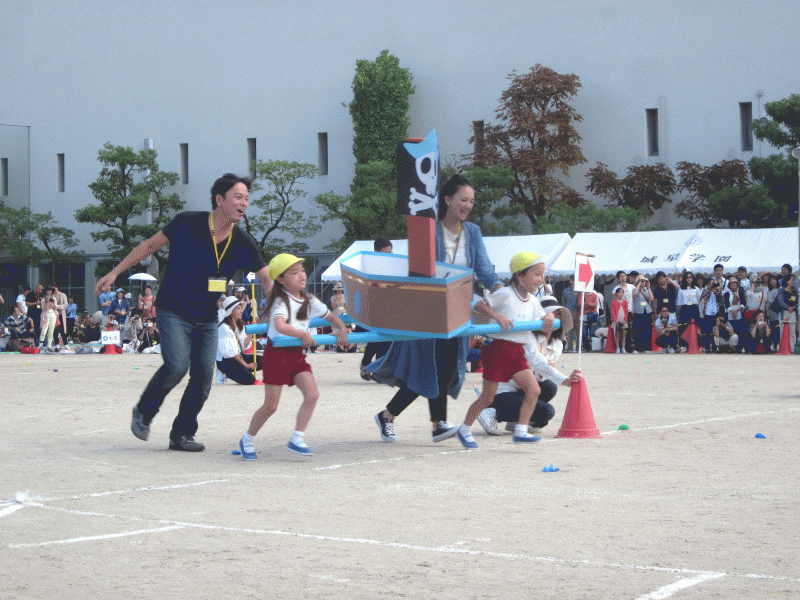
(536, 138)
(34, 239)
(590, 218)
(379, 110)
(646, 187)
(744, 207)
(492, 211)
(130, 185)
(277, 215)
(778, 172)
(701, 182)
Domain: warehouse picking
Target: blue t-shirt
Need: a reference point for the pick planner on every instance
(105, 297)
(192, 261)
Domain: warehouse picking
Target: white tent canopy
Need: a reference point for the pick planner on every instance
(500, 250)
(697, 250)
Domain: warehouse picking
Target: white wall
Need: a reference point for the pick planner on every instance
(212, 74)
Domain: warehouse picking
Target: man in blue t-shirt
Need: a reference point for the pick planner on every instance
(206, 249)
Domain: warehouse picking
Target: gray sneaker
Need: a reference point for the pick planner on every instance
(186, 443)
(139, 427)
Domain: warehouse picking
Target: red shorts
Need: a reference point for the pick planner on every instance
(279, 366)
(502, 360)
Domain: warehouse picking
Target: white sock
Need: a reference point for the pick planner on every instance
(247, 438)
(521, 430)
(297, 438)
(466, 430)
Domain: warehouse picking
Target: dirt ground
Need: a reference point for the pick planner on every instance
(687, 503)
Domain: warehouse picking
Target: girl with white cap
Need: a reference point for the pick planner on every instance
(290, 309)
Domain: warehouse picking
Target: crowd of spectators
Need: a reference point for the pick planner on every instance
(741, 313)
(47, 318)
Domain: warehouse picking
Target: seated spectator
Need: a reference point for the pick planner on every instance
(758, 342)
(90, 329)
(20, 328)
(111, 322)
(148, 336)
(724, 336)
(232, 358)
(667, 331)
(133, 327)
(79, 324)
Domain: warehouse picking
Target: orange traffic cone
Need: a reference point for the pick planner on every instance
(653, 346)
(690, 337)
(578, 417)
(786, 347)
(611, 346)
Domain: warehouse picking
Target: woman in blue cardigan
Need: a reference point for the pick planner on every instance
(434, 368)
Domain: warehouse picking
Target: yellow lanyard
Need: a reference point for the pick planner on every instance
(214, 241)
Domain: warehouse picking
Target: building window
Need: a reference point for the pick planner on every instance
(652, 131)
(3, 177)
(746, 125)
(251, 157)
(60, 173)
(322, 153)
(184, 163)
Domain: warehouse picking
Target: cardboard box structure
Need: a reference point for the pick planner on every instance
(380, 296)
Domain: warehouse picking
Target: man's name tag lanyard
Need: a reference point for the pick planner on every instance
(218, 283)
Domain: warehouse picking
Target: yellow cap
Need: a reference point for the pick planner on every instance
(523, 260)
(280, 263)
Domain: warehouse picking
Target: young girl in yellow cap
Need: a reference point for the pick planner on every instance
(289, 309)
(504, 358)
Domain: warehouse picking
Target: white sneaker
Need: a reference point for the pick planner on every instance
(672, 350)
(488, 420)
(624, 351)
(636, 352)
(220, 376)
(618, 351)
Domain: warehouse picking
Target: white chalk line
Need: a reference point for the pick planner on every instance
(668, 590)
(97, 537)
(455, 548)
(10, 509)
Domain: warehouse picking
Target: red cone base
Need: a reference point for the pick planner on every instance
(112, 349)
(578, 417)
(653, 346)
(786, 347)
(258, 382)
(611, 346)
(690, 337)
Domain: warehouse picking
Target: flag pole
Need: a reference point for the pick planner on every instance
(580, 333)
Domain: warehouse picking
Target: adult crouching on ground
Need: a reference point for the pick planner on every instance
(232, 342)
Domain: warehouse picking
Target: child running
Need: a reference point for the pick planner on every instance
(290, 308)
(504, 358)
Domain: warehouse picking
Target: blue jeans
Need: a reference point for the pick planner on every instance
(185, 347)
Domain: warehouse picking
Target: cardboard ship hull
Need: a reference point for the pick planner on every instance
(380, 296)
